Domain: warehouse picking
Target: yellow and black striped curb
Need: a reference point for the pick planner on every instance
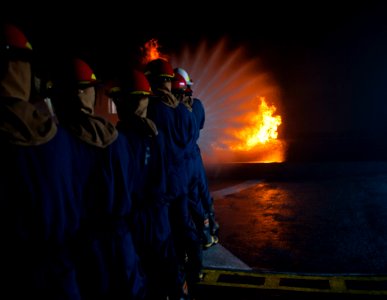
(342, 284)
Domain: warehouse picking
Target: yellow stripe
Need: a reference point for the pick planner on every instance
(140, 93)
(114, 90)
(346, 284)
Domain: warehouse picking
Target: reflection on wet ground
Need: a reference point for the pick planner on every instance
(316, 225)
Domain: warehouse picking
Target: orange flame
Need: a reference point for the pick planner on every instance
(257, 139)
(259, 128)
(262, 129)
(241, 126)
(150, 51)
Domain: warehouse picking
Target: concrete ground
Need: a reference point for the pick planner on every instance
(306, 219)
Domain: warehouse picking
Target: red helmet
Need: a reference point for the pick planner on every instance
(14, 44)
(179, 84)
(84, 75)
(15, 38)
(137, 84)
(184, 73)
(159, 68)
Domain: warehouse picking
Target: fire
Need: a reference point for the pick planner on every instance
(241, 125)
(150, 51)
(262, 128)
(252, 138)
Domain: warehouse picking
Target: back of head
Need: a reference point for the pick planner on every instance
(187, 78)
(74, 73)
(14, 45)
(15, 63)
(185, 75)
(179, 85)
(22, 124)
(74, 103)
(83, 74)
(159, 70)
(71, 76)
(128, 90)
(135, 83)
(131, 83)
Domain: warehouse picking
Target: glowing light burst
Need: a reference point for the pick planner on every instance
(234, 90)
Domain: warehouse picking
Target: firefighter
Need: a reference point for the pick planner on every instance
(177, 124)
(39, 206)
(178, 88)
(211, 226)
(194, 167)
(150, 223)
(108, 266)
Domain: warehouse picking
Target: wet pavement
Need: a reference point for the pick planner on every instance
(312, 219)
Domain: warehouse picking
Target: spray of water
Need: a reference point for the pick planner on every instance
(231, 87)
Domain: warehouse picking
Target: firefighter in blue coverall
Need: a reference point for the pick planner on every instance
(150, 222)
(108, 266)
(178, 125)
(39, 207)
(193, 167)
(210, 225)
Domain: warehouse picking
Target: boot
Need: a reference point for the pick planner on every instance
(194, 265)
(214, 226)
(208, 239)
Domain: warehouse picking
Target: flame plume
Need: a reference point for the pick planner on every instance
(261, 128)
(229, 83)
(151, 51)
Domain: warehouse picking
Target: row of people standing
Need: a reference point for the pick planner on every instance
(103, 210)
(65, 188)
(163, 132)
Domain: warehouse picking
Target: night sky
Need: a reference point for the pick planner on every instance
(330, 59)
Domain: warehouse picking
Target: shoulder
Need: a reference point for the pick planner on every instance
(198, 102)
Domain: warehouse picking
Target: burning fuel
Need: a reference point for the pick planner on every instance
(241, 100)
(151, 51)
(261, 127)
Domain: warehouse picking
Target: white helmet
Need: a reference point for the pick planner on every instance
(185, 75)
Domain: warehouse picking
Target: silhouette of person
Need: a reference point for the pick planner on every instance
(193, 167)
(210, 223)
(108, 266)
(176, 122)
(39, 207)
(150, 223)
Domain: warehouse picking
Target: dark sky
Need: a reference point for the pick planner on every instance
(329, 58)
